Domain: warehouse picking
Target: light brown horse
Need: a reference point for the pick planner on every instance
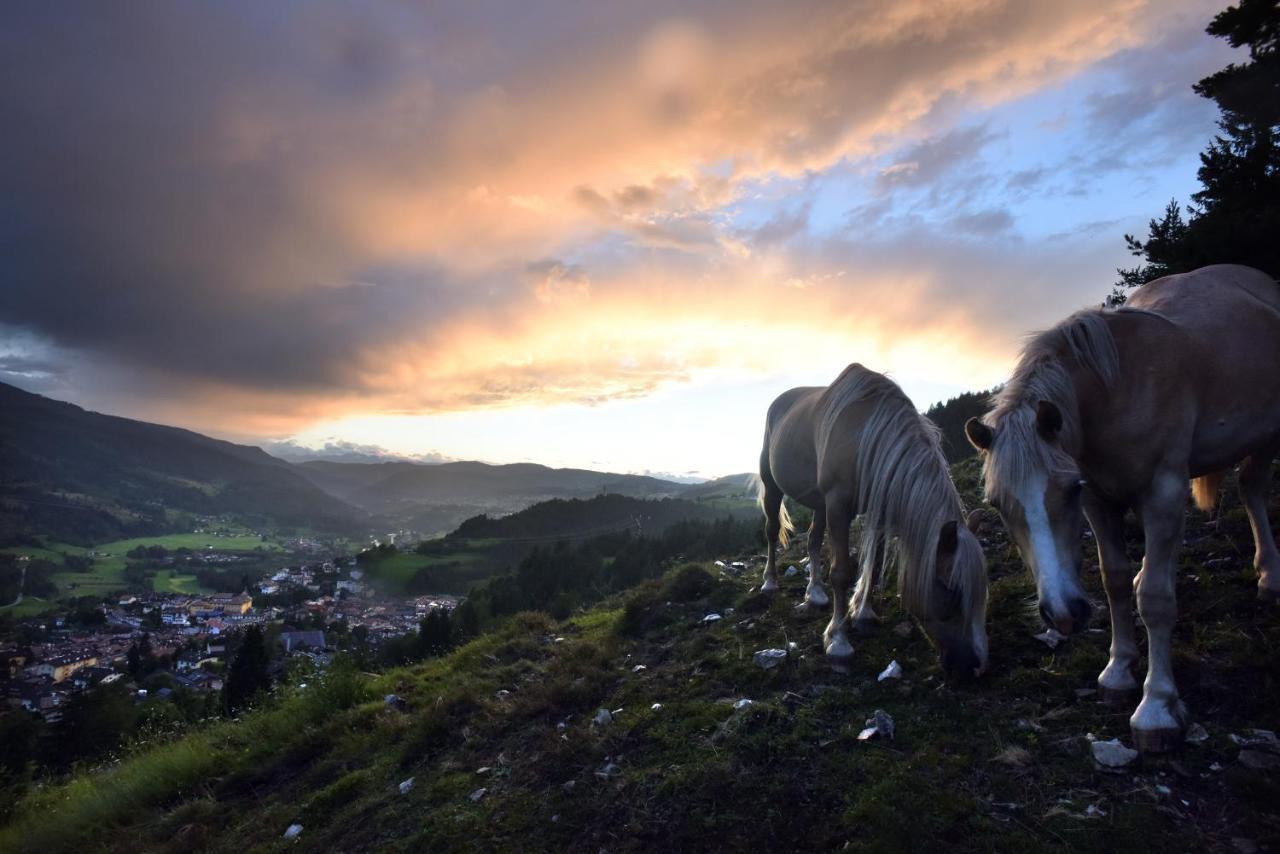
(859, 447)
(1118, 410)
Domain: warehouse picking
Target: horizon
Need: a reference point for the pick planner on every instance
(588, 240)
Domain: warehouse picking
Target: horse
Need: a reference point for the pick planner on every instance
(1113, 410)
(858, 447)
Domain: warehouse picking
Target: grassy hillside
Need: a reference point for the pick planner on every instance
(499, 741)
(83, 477)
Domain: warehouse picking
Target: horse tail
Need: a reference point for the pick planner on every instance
(784, 518)
(1204, 490)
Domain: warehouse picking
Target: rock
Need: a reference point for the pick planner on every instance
(293, 831)
(1013, 756)
(1112, 754)
(1094, 811)
(655, 707)
(792, 646)
(1258, 760)
(562, 726)
(1262, 739)
(711, 618)
(1196, 734)
(769, 658)
(395, 701)
(791, 570)
(503, 694)
(720, 564)
(639, 668)
(903, 629)
(609, 769)
(478, 794)
(893, 671)
(406, 787)
(568, 786)
(603, 717)
(1050, 638)
(878, 725)
(743, 703)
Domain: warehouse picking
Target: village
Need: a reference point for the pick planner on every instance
(311, 611)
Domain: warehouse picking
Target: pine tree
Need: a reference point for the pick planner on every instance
(248, 675)
(1236, 214)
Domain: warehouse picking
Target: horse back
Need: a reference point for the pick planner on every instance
(1220, 338)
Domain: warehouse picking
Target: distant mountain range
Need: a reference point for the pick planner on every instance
(82, 477)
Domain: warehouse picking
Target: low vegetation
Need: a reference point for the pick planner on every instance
(499, 740)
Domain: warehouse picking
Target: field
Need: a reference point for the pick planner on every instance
(109, 561)
(453, 570)
(1000, 764)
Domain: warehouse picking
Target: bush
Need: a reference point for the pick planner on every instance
(689, 583)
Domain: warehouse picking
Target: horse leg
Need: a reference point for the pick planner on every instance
(814, 595)
(1116, 684)
(864, 617)
(836, 636)
(1255, 479)
(1159, 719)
(772, 504)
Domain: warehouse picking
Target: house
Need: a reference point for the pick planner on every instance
(59, 667)
(311, 639)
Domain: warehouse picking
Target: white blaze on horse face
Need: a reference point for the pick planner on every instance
(1053, 583)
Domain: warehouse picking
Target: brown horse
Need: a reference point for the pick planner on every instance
(1118, 410)
(859, 447)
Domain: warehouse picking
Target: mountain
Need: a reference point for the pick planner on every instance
(83, 477)
(433, 498)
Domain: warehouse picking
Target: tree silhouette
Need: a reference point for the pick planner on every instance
(248, 675)
(1236, 214)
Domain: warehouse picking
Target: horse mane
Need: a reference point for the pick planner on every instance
(1043, 372)
(904, 492)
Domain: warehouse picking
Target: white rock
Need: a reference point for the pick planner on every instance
(406, 787)
(791, 570)
(1051, 638)
(1095, 811)
(1196, 734)
(711, 618)
(893, 671)
(478, 794)
(610, 769)
(1112, 754)
(293, 831)
(743, 703)
(770, 658)
(603, 717)
(639, 668)
(655, 707)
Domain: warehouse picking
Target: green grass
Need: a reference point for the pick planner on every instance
(195, 542)
(169, 581)
(996, 765)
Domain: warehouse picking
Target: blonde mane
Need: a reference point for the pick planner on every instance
(904, 492)
(1043, 372)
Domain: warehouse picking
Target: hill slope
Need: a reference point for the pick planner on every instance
(83, 477)
(498, 739)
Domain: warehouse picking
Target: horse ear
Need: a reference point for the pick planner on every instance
(980, 435)
(949, 537)
(1048, 420)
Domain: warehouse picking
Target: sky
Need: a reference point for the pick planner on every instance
(577, 233)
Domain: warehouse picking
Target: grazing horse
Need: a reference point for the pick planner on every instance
(1116, 410)
(859, 447)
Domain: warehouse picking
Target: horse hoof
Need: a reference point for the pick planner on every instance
(818, 600)
(839, 650)
(1125, 698)
(769, 587)
(1156, 740)
(864, 628)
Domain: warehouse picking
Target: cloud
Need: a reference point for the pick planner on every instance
(342, 451)
(251, 216)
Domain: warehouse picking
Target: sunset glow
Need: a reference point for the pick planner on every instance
(603, 239)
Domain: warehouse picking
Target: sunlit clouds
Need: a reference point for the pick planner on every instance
(413, 226)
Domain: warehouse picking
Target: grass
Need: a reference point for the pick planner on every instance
(195, 542)
(1001, 764)
(169, 581)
